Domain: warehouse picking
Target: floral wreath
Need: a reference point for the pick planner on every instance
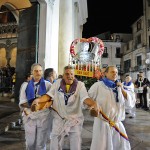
(91, 39)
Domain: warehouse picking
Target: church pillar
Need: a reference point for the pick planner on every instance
(65, 33)
(45, 32)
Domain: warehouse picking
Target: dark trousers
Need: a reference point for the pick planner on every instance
(143, 99)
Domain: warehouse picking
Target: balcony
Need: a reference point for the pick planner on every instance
(138, 68)
(8, 30)
(105, 55)
(126, 70)
(119, 55)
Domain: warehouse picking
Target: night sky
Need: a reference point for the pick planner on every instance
(115, 16)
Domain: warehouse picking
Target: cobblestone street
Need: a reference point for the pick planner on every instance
(138, 129)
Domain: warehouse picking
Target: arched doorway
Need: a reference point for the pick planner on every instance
(3, 60)
(8, 36)
(13, 56)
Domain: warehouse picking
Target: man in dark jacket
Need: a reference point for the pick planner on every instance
(142, 83)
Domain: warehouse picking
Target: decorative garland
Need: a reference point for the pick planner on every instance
(89, 40)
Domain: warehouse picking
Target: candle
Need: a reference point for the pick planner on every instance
(89, 66)
(86, 66)
(92, 66)
(95, 65)
(81, 66)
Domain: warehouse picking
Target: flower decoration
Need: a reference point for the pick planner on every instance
(95, 40)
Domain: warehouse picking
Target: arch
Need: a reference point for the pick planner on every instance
(13, 57)
(15, 13)
(2, 45)
(12, 54)
(3, 60)
(15, 5)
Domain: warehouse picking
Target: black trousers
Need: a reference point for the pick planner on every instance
(143, 99)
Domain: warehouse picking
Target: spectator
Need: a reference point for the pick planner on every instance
(129, 87)
(142, 83)
(60, 76)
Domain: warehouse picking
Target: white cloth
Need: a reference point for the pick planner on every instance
(131, 99)
(106, 137)
(37, 124)
(72, 113)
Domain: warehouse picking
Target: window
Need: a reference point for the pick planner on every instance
(105, 54)
(118, 54)
(148, 23)
(117, 50)
(139, 25)
(139, 60)
(148, 3)
(139, 39)
(127, 65)
(105, 49)
(127, 46)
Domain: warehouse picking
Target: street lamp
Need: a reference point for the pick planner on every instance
(147, 62)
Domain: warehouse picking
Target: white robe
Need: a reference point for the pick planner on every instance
(36, 124)
(131, 99)
(106, 137)
(72, 113)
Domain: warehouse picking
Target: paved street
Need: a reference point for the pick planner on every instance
(138, 130)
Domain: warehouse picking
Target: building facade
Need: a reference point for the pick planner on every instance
(39, 31)
(60, 22)
(113, 50)
(136, 52)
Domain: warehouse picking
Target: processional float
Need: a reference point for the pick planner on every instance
(86, 56)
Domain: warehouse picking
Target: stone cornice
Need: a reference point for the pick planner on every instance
(50, 2)
(83, 11)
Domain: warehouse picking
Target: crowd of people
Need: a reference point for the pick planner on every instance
(7, 78)
(52, 106)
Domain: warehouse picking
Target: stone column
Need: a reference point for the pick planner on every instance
(65, 33)
(45, 28)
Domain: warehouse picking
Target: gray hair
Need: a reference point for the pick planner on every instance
(35, 64)
(68, 67)
(129, 77)
(107, 68)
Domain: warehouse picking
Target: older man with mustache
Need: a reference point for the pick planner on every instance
(36, 123)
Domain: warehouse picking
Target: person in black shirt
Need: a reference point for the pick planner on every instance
(142, 83)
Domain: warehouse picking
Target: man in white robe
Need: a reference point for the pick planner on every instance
(36, 124)
(129, 87)
(108, 131)
(68, 95)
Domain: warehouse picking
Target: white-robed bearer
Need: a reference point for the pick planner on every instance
(108, 130)
(36, 122)
(68, 95)
(129, 87)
